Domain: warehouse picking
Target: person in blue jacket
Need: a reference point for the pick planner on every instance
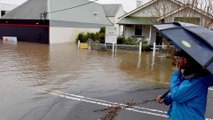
(188, 92)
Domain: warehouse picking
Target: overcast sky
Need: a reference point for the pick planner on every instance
(127, 4)
(14, 1)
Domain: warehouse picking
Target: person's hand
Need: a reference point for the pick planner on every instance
(159, 99)
(178, 67)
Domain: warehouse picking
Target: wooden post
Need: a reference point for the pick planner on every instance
(140, 47)
(79, 42)
(154, 49)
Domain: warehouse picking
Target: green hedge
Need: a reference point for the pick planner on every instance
(100, 37)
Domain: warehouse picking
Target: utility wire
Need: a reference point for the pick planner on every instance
(51, 12)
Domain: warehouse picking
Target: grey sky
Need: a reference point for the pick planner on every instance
(13, 1)
(127, 4)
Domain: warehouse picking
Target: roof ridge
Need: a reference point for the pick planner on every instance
(148, 4)
(108, 12)
(187, 6)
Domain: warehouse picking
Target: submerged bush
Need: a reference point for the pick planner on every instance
(120, 39)
(98, 36)
(130, 41)
(81, 37)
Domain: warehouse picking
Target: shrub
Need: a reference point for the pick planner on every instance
(145, 46)
(130, 41)
(102, 30)
(120, 39)
(101, 37)
(91, 36)
(98, 36)
(81, 37)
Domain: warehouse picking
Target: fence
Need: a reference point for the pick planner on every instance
(124, 47)
(100, 46)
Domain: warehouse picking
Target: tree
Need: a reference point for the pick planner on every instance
(187, 11)
(205, 7)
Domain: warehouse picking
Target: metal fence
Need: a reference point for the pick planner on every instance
(124, 47)
(99, 46)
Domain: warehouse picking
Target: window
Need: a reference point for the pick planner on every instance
(138, 30)
(3, 13)
(194, 20)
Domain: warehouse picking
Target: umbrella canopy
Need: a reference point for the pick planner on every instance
(195, 40)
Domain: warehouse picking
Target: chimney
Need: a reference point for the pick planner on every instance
(139, 3)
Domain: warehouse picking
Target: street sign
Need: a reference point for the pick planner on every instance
(9, 39)
(111, 35)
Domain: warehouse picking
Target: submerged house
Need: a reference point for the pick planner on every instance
(138, 22)
(53, 21)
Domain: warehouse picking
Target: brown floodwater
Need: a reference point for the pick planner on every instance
(119, 77)
(81, 70)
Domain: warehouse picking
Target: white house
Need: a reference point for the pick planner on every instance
(138, 22)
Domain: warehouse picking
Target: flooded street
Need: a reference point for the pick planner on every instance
(61, 82)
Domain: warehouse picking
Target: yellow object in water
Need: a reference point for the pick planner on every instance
(84, 45)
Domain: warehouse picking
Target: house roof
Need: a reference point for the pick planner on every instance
(146, 5)
(111, 9)
(138, 21)
(31, 9)
(185, 7)
(75, 11)
(126, 17)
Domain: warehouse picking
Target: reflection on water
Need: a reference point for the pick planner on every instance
(66, 67)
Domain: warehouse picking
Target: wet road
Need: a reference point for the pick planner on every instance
(60, 82)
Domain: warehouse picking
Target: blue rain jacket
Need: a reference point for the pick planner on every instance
(188, 97)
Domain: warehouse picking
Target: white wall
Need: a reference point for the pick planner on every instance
(114, 20)
(59, 35)
(120, 12)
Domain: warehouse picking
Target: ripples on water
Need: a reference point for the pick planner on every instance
(66, 67)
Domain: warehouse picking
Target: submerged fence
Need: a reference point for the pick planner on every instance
(117, 46)
(123, 47)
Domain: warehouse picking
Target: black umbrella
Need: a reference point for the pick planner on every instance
(195, 40)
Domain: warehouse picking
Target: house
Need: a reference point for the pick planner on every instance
(113, 12)
(138, 22)
(6, 7)
(53, 21)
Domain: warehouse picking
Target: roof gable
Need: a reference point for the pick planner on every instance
(169, 9)
(174, 4)
(111, 9)
(184, 8)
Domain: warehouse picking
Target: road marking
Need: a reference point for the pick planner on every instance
(138, 109)
(75, 97)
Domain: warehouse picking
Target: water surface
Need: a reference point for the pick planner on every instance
(66, 67)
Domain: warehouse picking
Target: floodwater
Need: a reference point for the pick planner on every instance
(27, 66)
(65, 66)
